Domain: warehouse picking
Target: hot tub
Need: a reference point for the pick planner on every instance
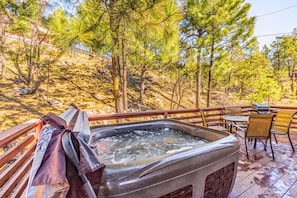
(198, 162)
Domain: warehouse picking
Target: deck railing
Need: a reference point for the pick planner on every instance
(17, 145)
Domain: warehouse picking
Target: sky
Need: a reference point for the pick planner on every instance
(274, 17)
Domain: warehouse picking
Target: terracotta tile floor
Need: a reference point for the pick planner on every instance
(261, 176)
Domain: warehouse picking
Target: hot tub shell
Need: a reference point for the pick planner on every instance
(207, 171)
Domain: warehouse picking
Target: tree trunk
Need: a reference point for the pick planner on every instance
(116, 85)
(115, 63)
(2, 64)
(294, 65)
(142, 84)
(198, 78)
(198, 70)
(181, 91)
(210, 74)
(173, 93)
(292, 74)
(124, 83)
(2, 51)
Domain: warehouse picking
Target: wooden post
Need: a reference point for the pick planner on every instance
(38, 128)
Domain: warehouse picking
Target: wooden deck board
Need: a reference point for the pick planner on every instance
(262, 177)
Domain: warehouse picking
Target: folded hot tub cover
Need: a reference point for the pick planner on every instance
(53, 175)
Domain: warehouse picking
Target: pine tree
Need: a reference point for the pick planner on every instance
(119, 27)
(211, 27)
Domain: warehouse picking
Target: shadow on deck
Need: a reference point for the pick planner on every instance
(261, 176)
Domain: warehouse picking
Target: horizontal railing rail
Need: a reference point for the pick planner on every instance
(186, 115)
(17, 145)
(16, 156)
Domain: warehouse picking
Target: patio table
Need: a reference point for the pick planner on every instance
(235, 119)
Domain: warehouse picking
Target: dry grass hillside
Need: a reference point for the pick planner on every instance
(86, 81)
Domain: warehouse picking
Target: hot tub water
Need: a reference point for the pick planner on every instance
(143, 144)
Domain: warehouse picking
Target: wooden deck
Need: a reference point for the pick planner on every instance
(258, 177)
(261, 176)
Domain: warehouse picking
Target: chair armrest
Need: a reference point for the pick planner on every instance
(280, 129)
(280, 125)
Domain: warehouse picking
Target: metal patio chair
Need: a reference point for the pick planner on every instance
(281, 125)
(232, 111)
(259, 127)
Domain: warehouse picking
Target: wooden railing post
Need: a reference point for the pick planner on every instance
(38, 129)
(165, 115)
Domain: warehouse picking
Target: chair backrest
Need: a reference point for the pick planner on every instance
(232, 111)
(204, 122)
(283, 121)
(259, 125)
